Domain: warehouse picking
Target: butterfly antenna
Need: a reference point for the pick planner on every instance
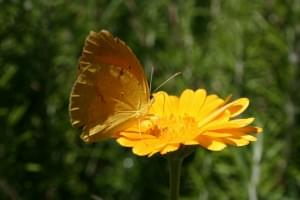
(151, 77)
(170, 78)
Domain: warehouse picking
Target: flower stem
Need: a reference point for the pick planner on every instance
(174, 178)
(175, 162)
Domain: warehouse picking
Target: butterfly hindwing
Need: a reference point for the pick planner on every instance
(103, 99)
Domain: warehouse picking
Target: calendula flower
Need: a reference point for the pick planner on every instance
(194, 118)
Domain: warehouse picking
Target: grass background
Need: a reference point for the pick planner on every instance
(244, 48)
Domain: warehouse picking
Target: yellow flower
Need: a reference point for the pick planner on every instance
(194, 118)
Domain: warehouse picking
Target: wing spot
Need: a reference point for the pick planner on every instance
(114, 72)
(121, 73)
(122, 94)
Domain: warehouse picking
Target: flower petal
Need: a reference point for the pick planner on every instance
(238, 123)
(136, 135)
(164, 105)
(238, 106)
(234, 108)
(196, 102)
(157, 106)
(185, 105)
(212, 102)
(216, 146)
(126, 142)
(237, 142)
(144, 147)
(208, 143)
(249, 138)
(169, 148)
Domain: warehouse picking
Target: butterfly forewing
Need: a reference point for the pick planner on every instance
(102, 48)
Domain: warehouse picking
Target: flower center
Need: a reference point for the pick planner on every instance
(173, 127)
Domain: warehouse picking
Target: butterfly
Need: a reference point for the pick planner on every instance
(111, 91)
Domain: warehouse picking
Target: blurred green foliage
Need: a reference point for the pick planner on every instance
(244, 48)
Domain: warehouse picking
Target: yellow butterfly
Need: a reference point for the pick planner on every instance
(111, 91)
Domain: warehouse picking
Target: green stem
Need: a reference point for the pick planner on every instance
(175, 163)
